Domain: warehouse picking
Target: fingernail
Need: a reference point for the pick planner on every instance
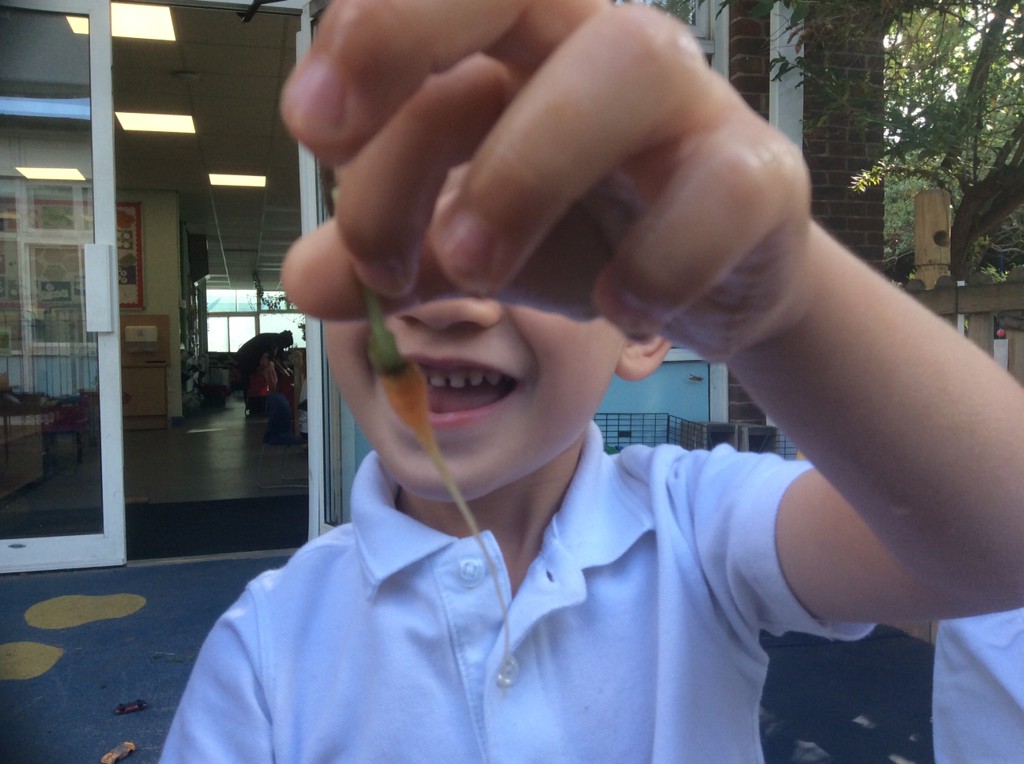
(392, 279)
(466, 246)
(314, 97)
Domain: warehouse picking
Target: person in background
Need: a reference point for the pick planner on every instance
(250, 354)
(267, 370)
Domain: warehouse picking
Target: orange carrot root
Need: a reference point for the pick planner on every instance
(406, 391)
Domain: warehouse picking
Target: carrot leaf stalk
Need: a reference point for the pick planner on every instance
(405, 387)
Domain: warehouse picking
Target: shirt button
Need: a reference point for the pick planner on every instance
(471, 571)
(509, 672)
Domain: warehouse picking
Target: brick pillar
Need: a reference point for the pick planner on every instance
(839, 144)
(836, 144)
(749, 48)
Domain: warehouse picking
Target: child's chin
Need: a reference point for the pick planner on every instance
(430, 488)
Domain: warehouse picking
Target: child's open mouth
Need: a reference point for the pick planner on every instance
(465, 389)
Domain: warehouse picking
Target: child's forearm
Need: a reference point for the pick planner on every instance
(913, 424)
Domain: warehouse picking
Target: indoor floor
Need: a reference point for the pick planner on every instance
(214, 455)
(205, 486)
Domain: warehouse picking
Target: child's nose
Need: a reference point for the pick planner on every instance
(440, 315)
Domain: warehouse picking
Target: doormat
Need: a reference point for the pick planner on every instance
(192, 529)
(20, 520)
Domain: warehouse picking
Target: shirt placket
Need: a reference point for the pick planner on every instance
(474, 618)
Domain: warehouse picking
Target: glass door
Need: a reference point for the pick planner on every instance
(61, 501)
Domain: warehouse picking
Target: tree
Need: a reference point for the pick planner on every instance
(954, 104)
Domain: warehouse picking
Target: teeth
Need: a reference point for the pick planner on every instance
(459, 379)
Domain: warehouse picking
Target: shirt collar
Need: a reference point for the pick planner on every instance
(603, 513)
(388, 540)
(601, 517)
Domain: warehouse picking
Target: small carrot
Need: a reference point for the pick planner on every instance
(405, 387)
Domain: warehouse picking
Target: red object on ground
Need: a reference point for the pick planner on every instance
(128, 708)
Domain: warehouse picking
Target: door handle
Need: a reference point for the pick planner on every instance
(100, 287)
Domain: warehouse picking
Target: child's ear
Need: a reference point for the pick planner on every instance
(639, 358)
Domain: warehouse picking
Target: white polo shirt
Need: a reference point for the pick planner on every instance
(978, 690)
(635, 630)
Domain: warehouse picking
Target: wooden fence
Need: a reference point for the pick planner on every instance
(979, 301)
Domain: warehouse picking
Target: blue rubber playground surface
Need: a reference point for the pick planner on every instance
(119, 635)
(67, 714)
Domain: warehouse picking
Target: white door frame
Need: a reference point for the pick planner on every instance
(332, 428)
(315, 371)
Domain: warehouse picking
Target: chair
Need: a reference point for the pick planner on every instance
(278, 436)
(66, 416)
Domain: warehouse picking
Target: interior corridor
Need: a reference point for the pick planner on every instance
(211, 463)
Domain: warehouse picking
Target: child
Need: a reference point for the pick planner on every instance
(611, 195)
(267, 370)
(273, 344)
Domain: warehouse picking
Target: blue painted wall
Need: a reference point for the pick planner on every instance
(680, 388)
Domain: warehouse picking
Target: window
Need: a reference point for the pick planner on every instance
(217, 336)
(233, 317)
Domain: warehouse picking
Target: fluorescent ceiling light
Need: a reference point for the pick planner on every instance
(253, 181)
(156, 123)
(78, 24)
(57, 108)
(50, 173)
(143, 22)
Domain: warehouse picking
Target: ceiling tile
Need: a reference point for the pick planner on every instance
(232, 77)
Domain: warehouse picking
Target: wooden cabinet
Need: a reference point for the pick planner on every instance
(144, 396)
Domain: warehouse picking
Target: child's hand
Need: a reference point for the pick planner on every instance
(608, 168)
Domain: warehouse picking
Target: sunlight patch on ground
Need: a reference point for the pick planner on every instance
(806, 752)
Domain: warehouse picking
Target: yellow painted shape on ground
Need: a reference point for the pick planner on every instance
(77, 609)
(27, 660)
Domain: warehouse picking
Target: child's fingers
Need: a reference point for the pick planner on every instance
(628, 82)
(319, 276)
(623, 94)
(711, 255)
(387, 193)
(319, 279)
(369, 56)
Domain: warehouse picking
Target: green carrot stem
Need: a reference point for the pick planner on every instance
(381, 346)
